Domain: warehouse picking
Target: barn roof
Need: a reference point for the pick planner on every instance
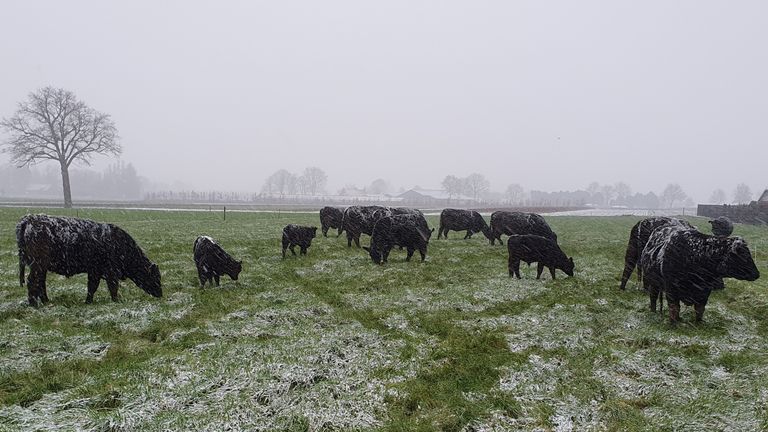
(764, 196)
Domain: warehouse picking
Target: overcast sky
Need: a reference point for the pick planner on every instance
(548, 94)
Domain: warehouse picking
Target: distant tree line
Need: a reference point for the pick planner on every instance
(118, 181)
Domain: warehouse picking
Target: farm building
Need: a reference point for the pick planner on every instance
(434, 197)
(755, 212)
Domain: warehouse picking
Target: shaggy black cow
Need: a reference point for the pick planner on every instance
(518, 223)
(405, 230)
(212, 261)
(685, 265)
(722, 226)
(538, 249)
(330, 217)
(460, 220)
(70, 246)
(301, 236)
(359, 220)
(638, 237)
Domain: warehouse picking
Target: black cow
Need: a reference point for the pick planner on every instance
(405, 230)
(212, 261)
(70, 246)
(301, 236)
(685, 265)
(518, 223)
(638, 237)
(538, 249)
(460, 220)
(359, 220)
(330, 217)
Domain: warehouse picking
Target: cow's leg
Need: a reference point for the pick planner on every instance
(385, 254)
(674, 310)
(357, 240)
(292, 247)
(202, 277)
(699, 308)
(325, 231)
(32, 285)
(216, 278)
(285, 245)
(653, 293)
(112, 284)
(303, 250)
(552, 272)
(423, 252)
(42, 288)
(349, 239)
(468, 235)
(410, 253)
(93, 285)
(514, 267)
(539, 269)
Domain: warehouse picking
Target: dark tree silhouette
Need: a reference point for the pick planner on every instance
(53, 124)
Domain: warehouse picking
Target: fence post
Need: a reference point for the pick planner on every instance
(225, 213)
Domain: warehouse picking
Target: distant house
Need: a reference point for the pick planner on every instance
(763, 200)
(434, 197)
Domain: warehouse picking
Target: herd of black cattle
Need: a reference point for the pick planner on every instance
(672, 257)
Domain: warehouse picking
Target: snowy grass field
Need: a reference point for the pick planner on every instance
(332, 341)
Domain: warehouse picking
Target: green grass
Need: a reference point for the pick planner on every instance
(332, 341)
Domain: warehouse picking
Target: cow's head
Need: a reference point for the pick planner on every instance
(148, 279)
(568, 266)
(375, 254)
(487, 232)
(234, 272)
(314, 231)
(738, 263)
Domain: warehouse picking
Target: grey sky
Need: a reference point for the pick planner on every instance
(548, 94)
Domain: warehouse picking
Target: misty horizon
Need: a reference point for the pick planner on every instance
(548, 96)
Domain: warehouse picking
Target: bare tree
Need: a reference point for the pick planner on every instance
(623, 192)
(281, 182)
(379, 186)
(53, 124)
(476, 185)
(742, 194)
(718, 197)
(313, 181)
(593, 190)
(609, 193)
(514, 193)
(673, 194)
(452, 185)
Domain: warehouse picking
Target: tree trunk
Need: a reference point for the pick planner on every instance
(65, 185)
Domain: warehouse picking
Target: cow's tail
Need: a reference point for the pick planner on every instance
(20, 228)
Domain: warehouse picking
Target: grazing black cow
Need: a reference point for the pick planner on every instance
(359, 220)
(460, 220)
(533, 248)
(404, 230)
(722, 226)
(212, 261)
(518, 223)
(301, 236)
(330, 217)
(638, 237)
(685, 265)
(70, 246)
